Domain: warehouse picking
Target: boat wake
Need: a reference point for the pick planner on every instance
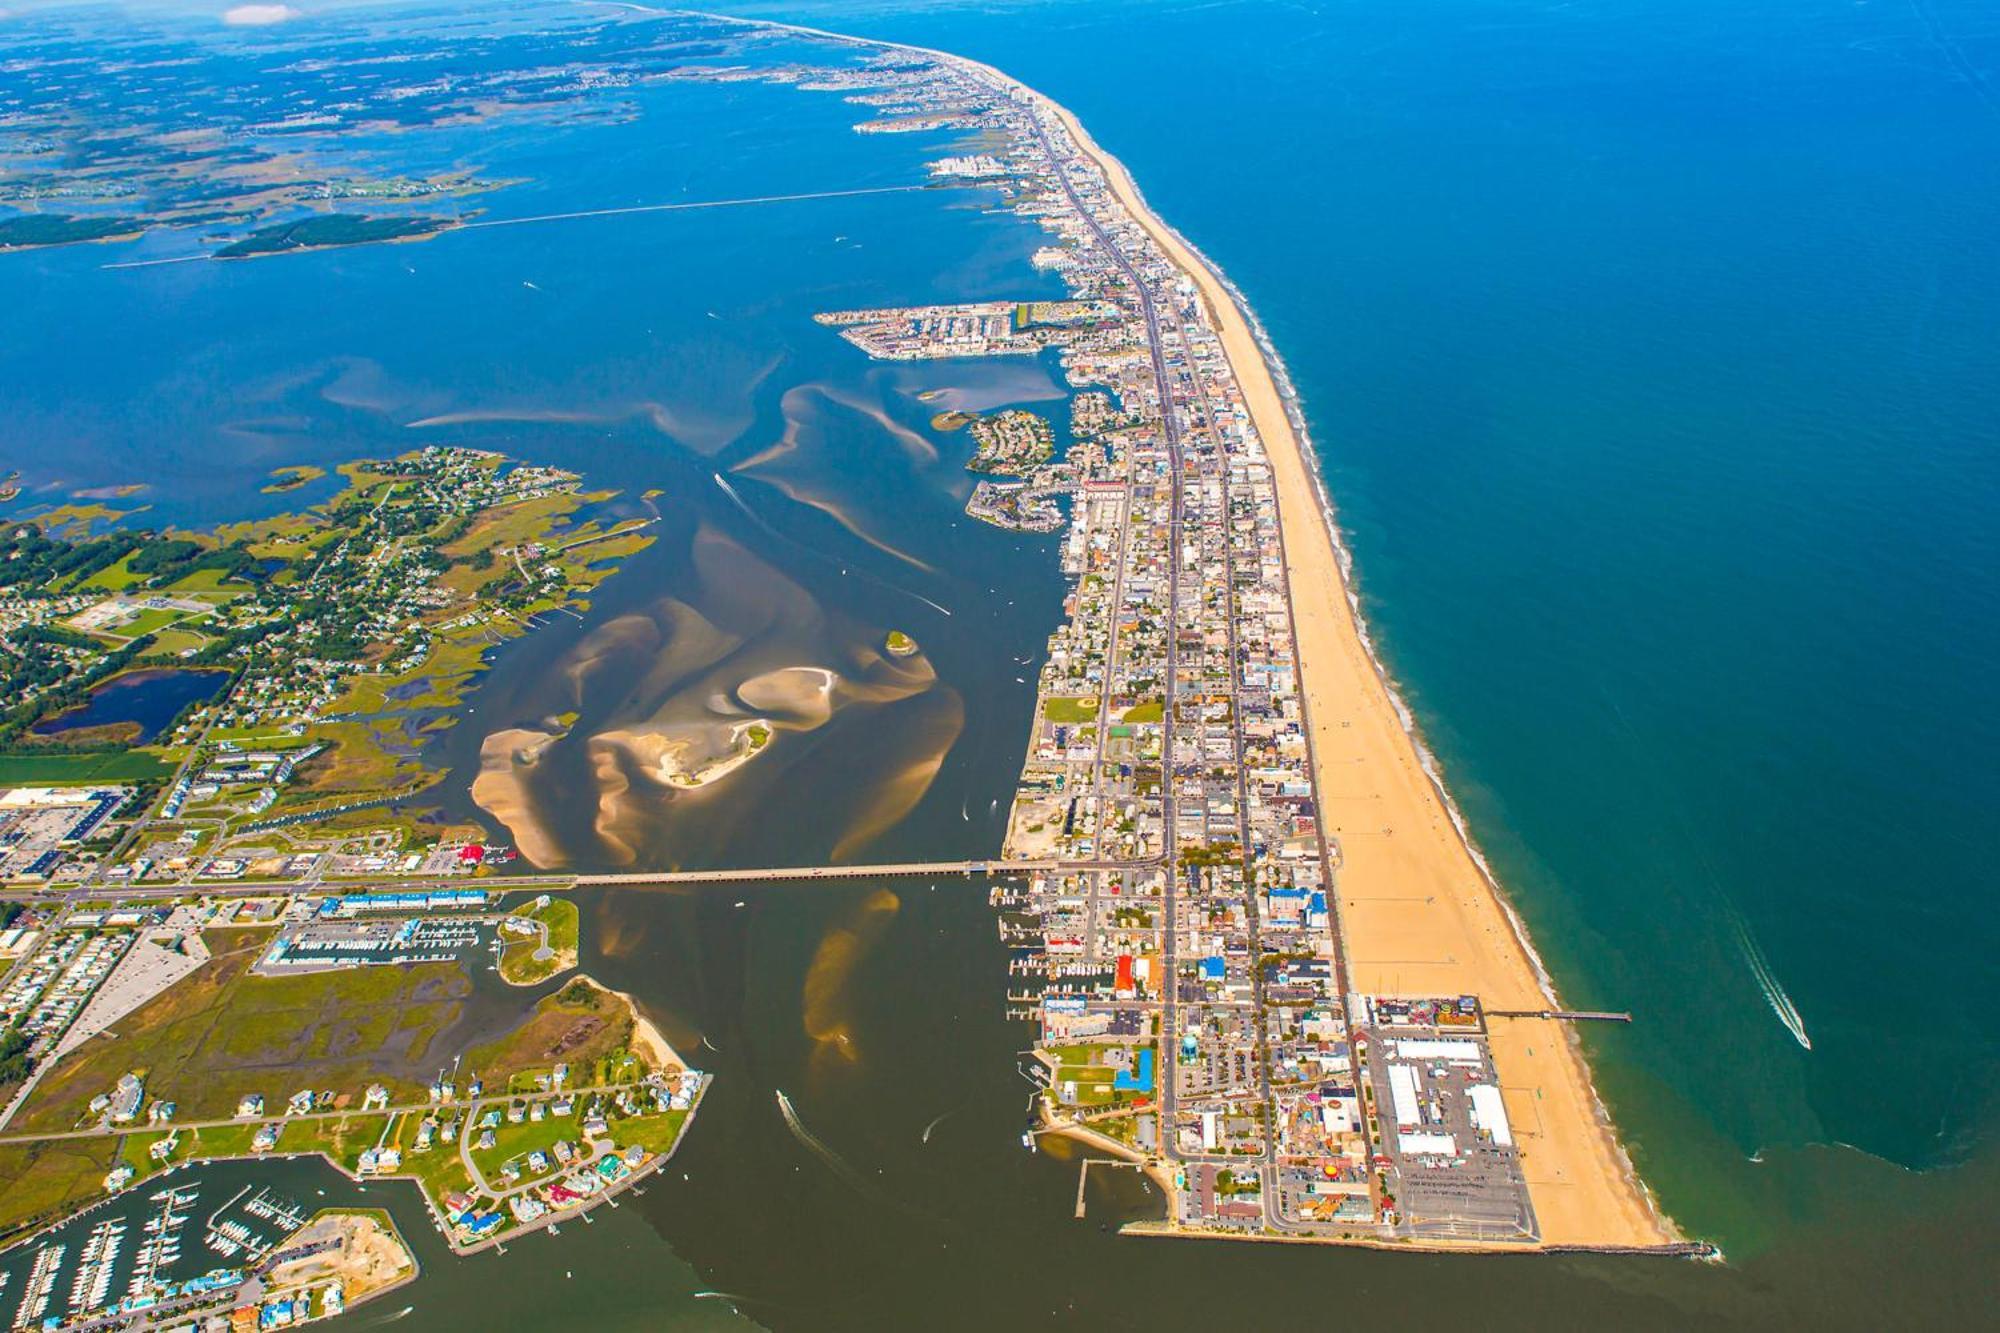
(935, 1123)
(730, 491)
(1767, 981)
(817, 1147)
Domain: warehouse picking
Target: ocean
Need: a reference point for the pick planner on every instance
(1650, 354)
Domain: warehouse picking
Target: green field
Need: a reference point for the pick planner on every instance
(170, 643)
(149, 621)
(113, 578)
(223, 1033)
(68, 770)
(50, 1177)
(511, 1142)
(1088, 1066)
(1060, 709)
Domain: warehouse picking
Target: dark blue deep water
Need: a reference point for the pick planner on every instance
(1651, 353)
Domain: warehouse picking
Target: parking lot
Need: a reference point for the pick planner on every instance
(1443, 1132)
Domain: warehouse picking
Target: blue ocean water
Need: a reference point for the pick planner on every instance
(1651, 353)
(1649, 350)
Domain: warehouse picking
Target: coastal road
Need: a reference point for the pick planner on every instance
(351, 1113)
(1170, 430)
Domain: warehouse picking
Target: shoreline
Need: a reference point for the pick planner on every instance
(645, 1036)
(1468, 937)
(1623, 1212)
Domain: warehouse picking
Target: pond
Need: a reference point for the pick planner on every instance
(149, 699)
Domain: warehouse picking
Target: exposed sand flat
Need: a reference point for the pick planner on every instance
(1417, 914)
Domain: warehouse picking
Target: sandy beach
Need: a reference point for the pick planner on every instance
(1418, 916)
(1417, 913)
(646, 1038)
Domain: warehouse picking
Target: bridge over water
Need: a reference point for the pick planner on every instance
(907, 869)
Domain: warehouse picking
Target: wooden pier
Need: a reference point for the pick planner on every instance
(1562, 1015)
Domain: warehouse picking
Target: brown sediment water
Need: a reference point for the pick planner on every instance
(824, 1002)
(695, 709)
(502, 789)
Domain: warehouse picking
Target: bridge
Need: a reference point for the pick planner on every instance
(906, 869)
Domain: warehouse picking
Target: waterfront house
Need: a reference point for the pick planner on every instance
(126, 1100)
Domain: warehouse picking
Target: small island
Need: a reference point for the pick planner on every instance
(291, 478)
(324, 231)
(1013, 442)
(899, 644)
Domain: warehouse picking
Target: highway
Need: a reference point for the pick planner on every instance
(1171, 432)
(1170, 961)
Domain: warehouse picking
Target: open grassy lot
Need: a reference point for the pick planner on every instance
(116, 577)
(169, 644)
(223, 1033)
(512, 1142)
(438, 1168)
(655, 1133)
(207, 584)
(64, 770)
(45, 1179)
(148, 622)
(518, 963)
(340, 1137)
(587, 1028)
(1057, 708)
(1090, 1068)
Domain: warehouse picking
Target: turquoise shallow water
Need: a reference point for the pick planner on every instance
(1649, 351)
